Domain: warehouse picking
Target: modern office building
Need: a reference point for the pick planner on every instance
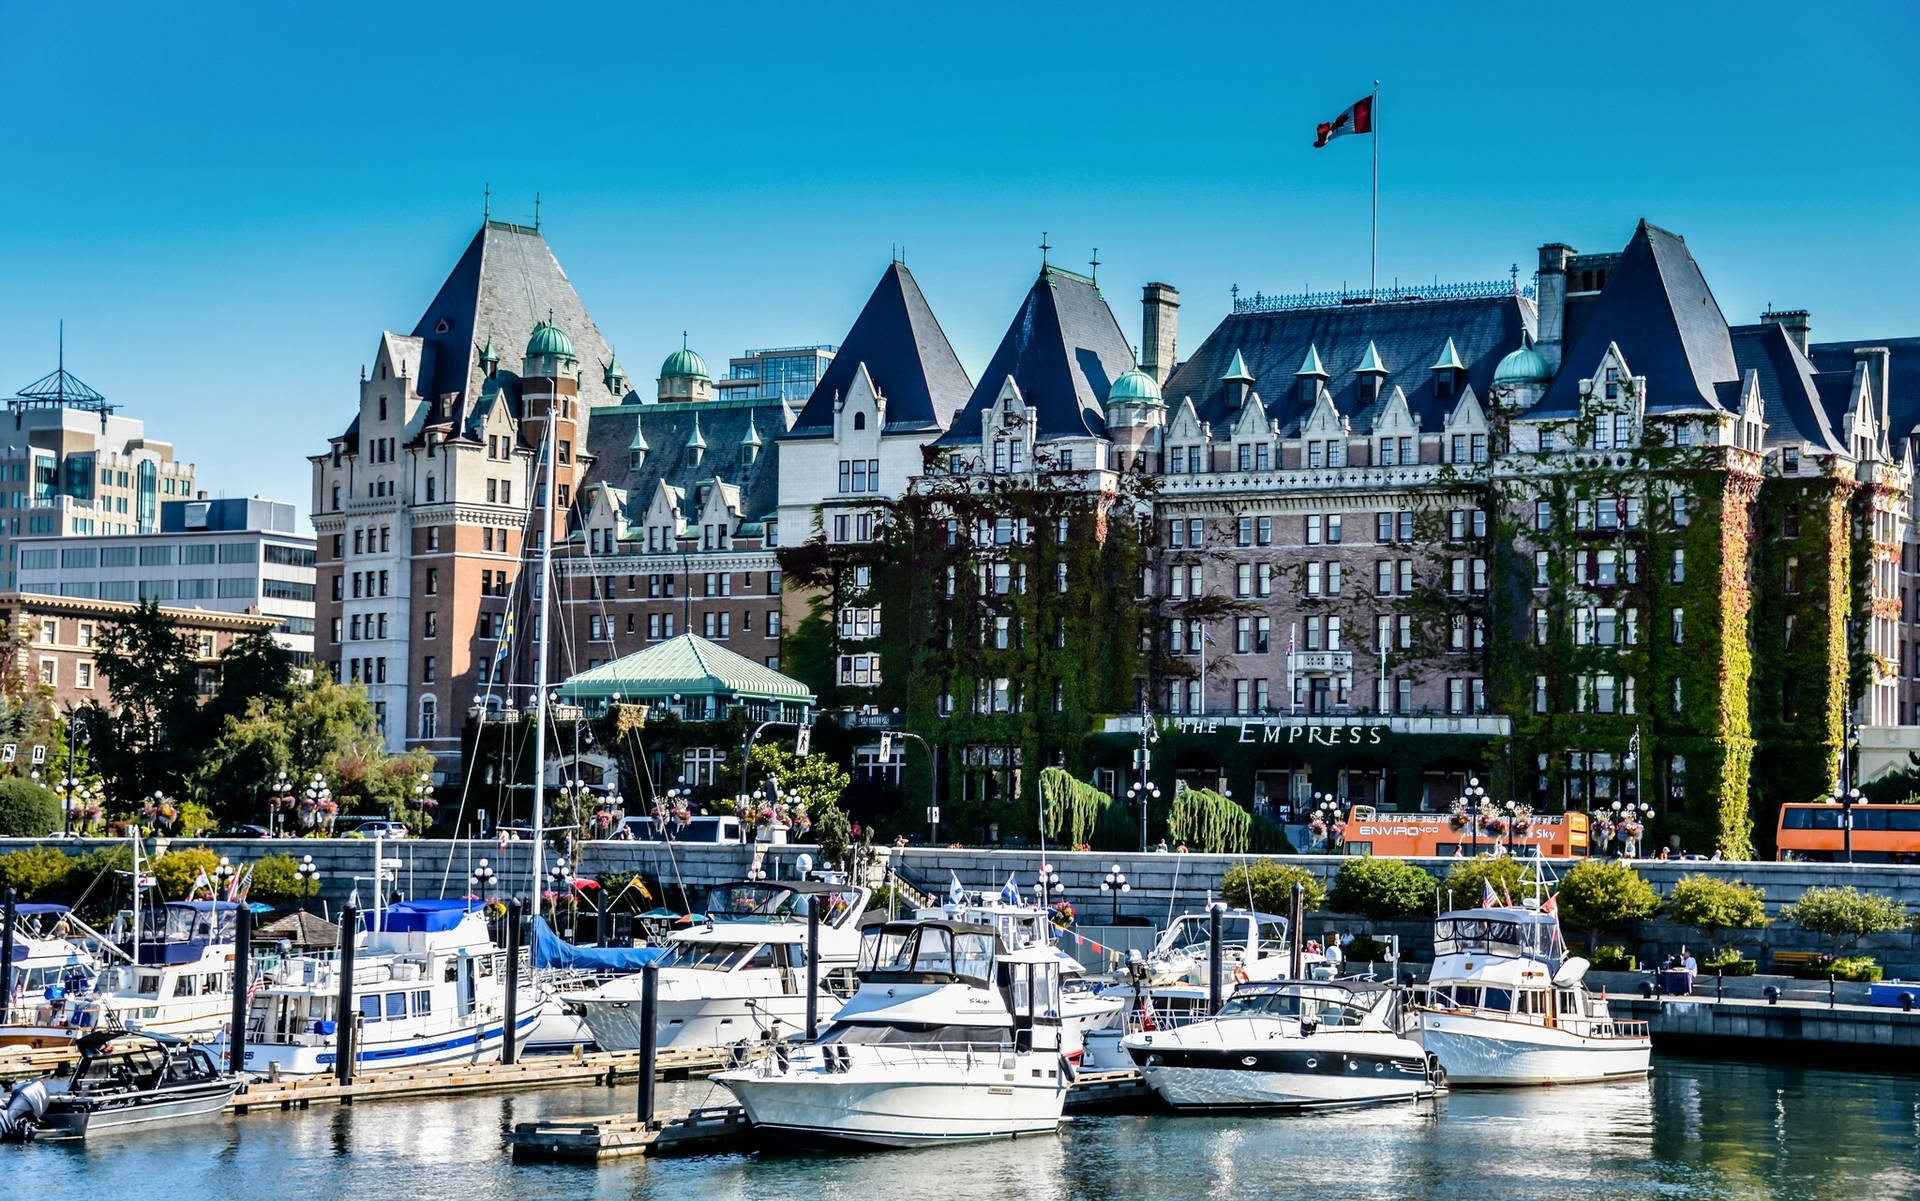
(238, 555)
(786, 373)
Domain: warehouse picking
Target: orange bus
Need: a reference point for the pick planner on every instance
(1881, 833)
(1369, 832)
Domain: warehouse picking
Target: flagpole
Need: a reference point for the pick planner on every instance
(1373, 275)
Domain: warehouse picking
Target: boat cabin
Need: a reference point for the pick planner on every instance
(760, 901)
(1317, 1004)
(1501, 933)
(1244, 935)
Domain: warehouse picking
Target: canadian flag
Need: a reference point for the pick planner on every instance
(1357, 119)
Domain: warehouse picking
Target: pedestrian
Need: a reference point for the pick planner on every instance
(1162, 848)
(1716, 855)
(1663, 854)
(1688, 963)
(1458, 852)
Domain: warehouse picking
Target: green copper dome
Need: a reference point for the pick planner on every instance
(1134, 386)
(550, 339)
(1524, 366)
(684, 364)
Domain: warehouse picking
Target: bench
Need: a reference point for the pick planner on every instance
(1792, 959)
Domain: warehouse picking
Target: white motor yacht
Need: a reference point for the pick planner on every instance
(741, 972)
(952, 1037)
(1086, 1005)
(429, 986)
(1505, 1005)
(180, 979)
(1288, 1045)
(54, 966)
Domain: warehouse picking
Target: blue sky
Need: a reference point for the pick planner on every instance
(228, 203)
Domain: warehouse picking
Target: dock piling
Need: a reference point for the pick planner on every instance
(343, 1023)
(7, 915)
(649, 1037)
(1213, 958)
(813, 968)
(1297, 934)
(508, 1050)
(242, 979)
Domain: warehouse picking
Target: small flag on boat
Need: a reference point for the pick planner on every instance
(1488, 898)
(200, 881)
(1010, 892)
(1507, 895)
(506, 636)
(1549, 907)
(956, 895)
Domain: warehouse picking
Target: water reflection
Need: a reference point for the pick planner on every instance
(1713, 1132)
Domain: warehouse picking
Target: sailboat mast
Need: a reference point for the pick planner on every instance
(542, 584)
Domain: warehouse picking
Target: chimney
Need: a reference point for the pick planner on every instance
(1878, 360)
(1553, 301)
(1799, 324)
(1159, 330)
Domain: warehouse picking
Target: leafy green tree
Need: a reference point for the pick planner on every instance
(27, 810)
(146, 738)
(1715, 905)
(35, 872)
(176, 871)
(1604, 894)
(806, 783)
(1381, 889)
(253, 668)
(1511, 878)
(276, 878)
(1268, 886)
(834, 832)
(1846, 915)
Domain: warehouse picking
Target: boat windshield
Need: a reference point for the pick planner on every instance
(190, 923)
(1498, 936)
(929, 951)
(1332, 1009)
(120, 1069)
(708, 956)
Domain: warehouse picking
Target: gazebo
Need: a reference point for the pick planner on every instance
(693, 679)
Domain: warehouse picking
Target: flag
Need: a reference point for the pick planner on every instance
(1357, 119)
(506, 636)
(200, 881)
(956, 895)
(1549, 907)
(245, 883)
(1507, 895)
(1488, 898)
(1010, 892)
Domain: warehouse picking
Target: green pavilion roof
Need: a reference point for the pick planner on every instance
(687, 666)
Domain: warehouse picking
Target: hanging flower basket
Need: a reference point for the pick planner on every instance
(1317, 828)
(1495, 826)
(1457, 821)
(1062, 915)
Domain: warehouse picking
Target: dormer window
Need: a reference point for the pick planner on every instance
(694, 454)
(1443, 383)
(1613, 383)
(1370, 388)
(1790, 460)
(859, 421)
(383, 408)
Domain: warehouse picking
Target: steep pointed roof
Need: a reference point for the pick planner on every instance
(907, 356)
(1064, 349)
(1237, 370)
(1788, 387)
(696, 439)
(1449, 359)
(1370, 363)
(1902, 402)
(506, 283)
(1658, 309)
(1311, 365)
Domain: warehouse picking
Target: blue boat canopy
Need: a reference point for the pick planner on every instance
(550, 950)
(424, 917)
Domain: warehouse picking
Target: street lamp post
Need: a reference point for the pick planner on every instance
(1623, 816)
(1144, 792)
(1847, 798)
(309, 876)
(77, 736)
(1326, 811)
(1475, 795)
(280, 802)
(222, 876)
(933, 785)
(1115, 883)
(1513, 815)
(562, 876)
(1049, 884)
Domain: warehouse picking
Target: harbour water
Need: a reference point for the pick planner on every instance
(1697, 1129)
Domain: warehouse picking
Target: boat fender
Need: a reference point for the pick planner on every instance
(1240, 975)
(26, 1104)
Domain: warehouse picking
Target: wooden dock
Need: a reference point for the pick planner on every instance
(600, 1067)
(726, 1128)
(28, 1063)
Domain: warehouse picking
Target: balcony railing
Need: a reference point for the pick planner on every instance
(1320, 663)
(1473, 290)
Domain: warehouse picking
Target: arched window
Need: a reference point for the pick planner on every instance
(429, 717)
(859, 421)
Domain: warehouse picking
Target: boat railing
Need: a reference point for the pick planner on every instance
(839, 1057)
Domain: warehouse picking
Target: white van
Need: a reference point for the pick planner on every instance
(721, 828)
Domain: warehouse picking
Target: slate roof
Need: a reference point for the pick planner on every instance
(1902, 401)
(667, 428)
(1409, 335)
(1064, 350)
(1789, 387)
(1658, 309)
(689, 666)
(906, 354)
(504, 284)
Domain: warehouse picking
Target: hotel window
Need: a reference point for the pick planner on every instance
(1678, 504)
(1243, 636)
(1262, 635)
(1540, 564)
(1333, 579)
(1679, 627)
(1263, 532)
(1196, 533)
(1315, 455)
(1613, 383)
(1542, 515)
(1313, 579)
(1243, 580)
(1333, 633)
(1262, 457)
(1542, 626)
(1793, 574)
(1315, 528)
(1456, 696)
(1243, 696)
(1387, 457)
(1264, 583)
(1539, 694)
(1406, 576)
(1313, 633)
(1244, 532)
(1383, 577)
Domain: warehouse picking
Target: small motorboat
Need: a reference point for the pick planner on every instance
(54, 966)
(1290, 1045)
(123, 1079)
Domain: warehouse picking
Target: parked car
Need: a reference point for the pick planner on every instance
(638, 829)
(374, 827)
(721, 828)
(242, 831)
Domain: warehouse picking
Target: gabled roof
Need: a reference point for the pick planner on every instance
(666, 429)
(1658, 309)
(504, 284)
(1902, 401)
(906, 354)
(687, 666)
(1282, 347)
(1787, 386)
(1064, 349)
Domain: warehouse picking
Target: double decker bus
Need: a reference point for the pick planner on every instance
(1881, 833)
(1403, 835)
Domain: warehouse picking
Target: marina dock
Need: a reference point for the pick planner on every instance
(717, 1128)
(1786, 1029)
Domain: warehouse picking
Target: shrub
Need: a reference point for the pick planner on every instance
(1510, 877)
(1612, 959)
(1857, 968)
(27, 810)
(1728, 963)
(1845, 915)
(1715, 905)
(1365, 949)
(177, 870)
(35, 872)
(1268, 886)
(276, 878)
(1381, 889)
(1604, 894)
(194, 820)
